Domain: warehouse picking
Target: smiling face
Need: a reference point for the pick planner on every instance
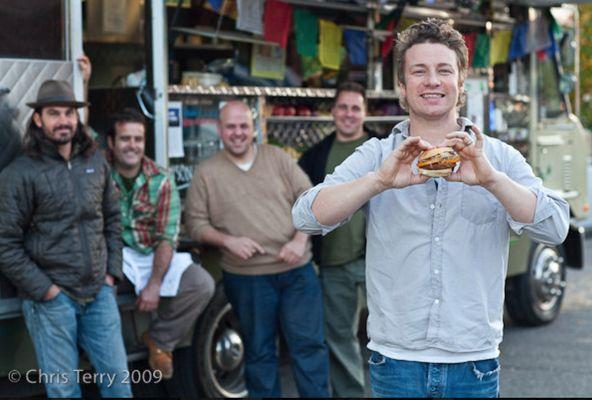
(348, 113)
(432, 84)
(128, 147)
(236, 128)
(58, 123)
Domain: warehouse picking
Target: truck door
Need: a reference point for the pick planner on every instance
(559, 145)
(39, 40)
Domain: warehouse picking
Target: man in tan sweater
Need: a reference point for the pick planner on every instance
(240, 201)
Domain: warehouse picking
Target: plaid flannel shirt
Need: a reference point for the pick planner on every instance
(150, 211)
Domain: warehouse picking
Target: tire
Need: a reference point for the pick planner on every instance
(144, 390)
(218, 350)
(534, 298)
(182, 385)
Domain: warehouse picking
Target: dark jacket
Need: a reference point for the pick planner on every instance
(59, 223)
(314, 162)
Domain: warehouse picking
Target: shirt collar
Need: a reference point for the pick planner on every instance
(149, 167)
(402, 128)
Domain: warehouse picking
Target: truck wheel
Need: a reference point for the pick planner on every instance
(219, 350)
(182, 385)
(534, 297)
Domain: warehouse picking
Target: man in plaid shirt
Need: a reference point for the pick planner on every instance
(173, 289)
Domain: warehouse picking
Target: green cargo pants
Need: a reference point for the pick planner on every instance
(344, 296)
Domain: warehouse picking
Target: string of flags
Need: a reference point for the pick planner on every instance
(319, 41)
(540, 37)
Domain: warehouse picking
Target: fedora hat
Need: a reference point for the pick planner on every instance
(56, 93)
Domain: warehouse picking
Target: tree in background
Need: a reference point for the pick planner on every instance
(586, 64)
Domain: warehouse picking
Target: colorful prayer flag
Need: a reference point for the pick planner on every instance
(355, 41)
(518, 42)
(330, 44)
(500, 44)
(481, 58)
(277, 21)
(306, 26)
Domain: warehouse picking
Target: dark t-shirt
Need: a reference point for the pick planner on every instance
(345, 243)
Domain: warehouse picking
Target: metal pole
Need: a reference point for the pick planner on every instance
(534, 104)
(74, 49)
(160, 80)
(577, 60)
(371, 82)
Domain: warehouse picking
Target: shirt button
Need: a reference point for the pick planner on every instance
(437, 271)
(437, 301)
(432, 206)
(436, 239)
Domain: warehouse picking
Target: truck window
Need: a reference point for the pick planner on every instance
(32, 29)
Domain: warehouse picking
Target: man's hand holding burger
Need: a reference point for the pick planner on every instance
(475, 168)
(397, 171)
(335, 203)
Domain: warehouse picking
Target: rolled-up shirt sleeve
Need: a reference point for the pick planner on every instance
(366, 158)
(551, 218)
(304, 219)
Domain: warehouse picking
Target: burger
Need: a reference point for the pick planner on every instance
(440, 161)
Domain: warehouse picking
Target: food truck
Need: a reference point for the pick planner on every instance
(179, 61)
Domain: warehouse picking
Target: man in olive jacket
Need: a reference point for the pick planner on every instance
(60, 246)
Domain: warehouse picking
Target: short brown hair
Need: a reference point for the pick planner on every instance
(350, 86)
(128, 115)
(432, 30)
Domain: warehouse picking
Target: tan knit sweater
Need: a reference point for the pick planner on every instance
(256, 204)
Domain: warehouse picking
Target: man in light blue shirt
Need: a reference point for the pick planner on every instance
(437, 248)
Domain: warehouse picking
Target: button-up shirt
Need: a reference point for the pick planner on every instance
(150, 210)
(437, 254)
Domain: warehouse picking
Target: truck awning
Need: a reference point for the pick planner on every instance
(548, 3)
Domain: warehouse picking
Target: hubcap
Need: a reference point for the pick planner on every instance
(225, 357)
(229, 350)
(547, 274)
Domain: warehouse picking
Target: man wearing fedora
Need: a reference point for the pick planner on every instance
(60, 246)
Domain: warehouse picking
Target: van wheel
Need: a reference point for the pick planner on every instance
(219, 350)
(534, 297)
(182, 384)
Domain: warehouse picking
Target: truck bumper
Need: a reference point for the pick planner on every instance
(575, 244)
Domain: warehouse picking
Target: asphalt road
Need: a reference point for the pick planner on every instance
(553, 360)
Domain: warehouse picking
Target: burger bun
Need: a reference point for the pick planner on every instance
(438, 162)
(435, 173)
(435, 151)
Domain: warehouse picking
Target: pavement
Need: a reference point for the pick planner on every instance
(554, 360)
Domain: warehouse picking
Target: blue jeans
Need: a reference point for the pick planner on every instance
(396, 378)
(291, 301)
(59, 325)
